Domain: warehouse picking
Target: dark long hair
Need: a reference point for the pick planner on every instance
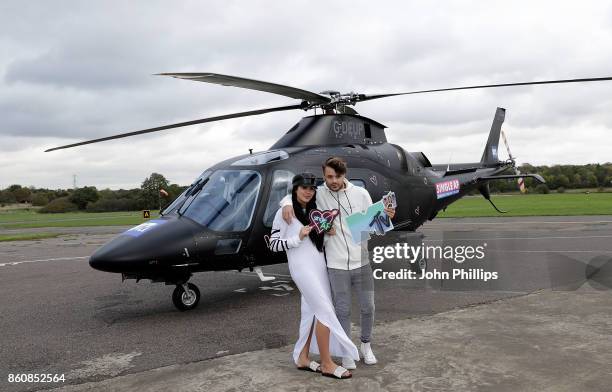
(317, 239)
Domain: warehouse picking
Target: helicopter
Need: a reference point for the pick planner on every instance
(219, 222)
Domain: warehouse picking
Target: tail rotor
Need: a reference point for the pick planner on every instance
(521, 181)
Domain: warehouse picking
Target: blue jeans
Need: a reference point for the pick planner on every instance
(342, 282)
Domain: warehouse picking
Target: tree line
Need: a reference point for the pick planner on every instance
(560, 177)
(155, 192)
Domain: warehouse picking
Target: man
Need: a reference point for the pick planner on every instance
(345, 267)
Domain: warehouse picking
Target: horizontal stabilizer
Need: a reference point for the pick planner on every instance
(537, 177)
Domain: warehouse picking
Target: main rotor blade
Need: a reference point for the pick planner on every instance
(235, 81)
(376, 96)
(181, 124)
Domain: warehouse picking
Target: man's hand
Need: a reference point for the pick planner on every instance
(389, 211)
(331, 231)
(305, 231)
(288, 214)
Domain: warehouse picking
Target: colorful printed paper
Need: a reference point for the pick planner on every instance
(322, 220)
(374, 219)
(389, 200)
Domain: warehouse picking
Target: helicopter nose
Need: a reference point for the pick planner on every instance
(149, 246)
(119, 255)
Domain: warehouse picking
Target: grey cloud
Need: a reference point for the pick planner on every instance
(76, 67)
(76, 70)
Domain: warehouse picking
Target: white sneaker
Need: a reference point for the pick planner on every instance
(348, 363)
(368, 355)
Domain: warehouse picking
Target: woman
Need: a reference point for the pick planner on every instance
(307, 267)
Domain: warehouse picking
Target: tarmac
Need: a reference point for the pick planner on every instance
(550, 340)
(545, 325)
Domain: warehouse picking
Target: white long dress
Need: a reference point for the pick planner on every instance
(309, 272)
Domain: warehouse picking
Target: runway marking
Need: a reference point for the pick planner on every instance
(107, 365)
(280, 287)
(254, 274)
(41, 260)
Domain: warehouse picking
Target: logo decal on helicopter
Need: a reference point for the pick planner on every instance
(355, 130)
(144, 227)
(447, 188)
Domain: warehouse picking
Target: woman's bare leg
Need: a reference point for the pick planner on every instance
(303, 359)
(327, 364)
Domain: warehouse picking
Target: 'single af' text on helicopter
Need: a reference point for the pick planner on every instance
(219, 222)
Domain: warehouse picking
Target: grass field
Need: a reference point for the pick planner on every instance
(532, 205)
(20, 219)
(27, 236)
(473, 206)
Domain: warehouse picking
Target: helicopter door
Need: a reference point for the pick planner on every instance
(365, 179)
(281, 186)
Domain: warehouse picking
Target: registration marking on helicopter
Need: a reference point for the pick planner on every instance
(353, 129)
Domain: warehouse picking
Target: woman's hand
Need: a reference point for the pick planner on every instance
(331, 231)
(305, 231)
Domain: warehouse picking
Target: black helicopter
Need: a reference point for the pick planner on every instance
(219, 222)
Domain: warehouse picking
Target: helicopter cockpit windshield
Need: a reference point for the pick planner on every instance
(182, 198)
(226, 202)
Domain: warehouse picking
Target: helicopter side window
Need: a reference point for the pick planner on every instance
(227, 200)
(281, 186)
(358, 182)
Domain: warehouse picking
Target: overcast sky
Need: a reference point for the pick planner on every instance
(71, 71)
